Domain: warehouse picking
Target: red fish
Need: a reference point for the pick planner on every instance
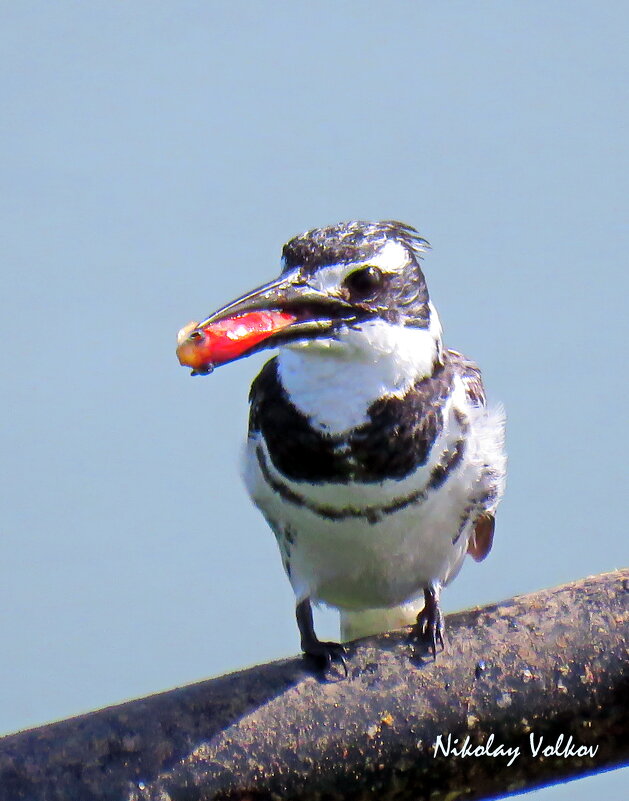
(205, 348)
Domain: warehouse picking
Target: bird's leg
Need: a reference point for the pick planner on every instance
(321, 653)
(430, 624)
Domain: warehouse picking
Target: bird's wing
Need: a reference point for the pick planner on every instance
(480, 542)
(471, 376)
(482, 537)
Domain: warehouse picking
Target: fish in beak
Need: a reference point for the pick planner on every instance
(204, 348)
(282, 311)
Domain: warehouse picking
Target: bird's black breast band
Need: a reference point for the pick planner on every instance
(373, 513)
(396, 440)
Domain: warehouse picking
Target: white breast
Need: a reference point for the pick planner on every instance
(334, 382)
(356, 564)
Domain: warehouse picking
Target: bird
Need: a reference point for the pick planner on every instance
(371, 450)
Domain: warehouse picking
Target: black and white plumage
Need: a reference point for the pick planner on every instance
(371, 451)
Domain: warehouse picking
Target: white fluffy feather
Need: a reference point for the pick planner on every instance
(335, 381)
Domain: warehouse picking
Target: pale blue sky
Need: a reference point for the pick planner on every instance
(154, 157)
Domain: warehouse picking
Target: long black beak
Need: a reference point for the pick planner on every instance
(315, 312)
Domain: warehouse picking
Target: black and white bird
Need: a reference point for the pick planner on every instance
(371, 451)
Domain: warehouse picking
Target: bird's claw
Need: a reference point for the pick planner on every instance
(430, 623)
(323, 654)
(430, 629)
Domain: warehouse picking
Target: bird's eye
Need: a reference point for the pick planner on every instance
(194, 335)
(364, 282)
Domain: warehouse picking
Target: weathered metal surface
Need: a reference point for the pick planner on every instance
(547, 665)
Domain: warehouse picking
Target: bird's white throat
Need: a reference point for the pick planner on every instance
(334, 382)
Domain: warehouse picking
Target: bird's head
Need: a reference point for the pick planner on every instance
(343, 285)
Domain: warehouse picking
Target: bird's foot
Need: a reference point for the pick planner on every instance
(323, 654)
(430, 623)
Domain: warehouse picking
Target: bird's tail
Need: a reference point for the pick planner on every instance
(365, 622)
